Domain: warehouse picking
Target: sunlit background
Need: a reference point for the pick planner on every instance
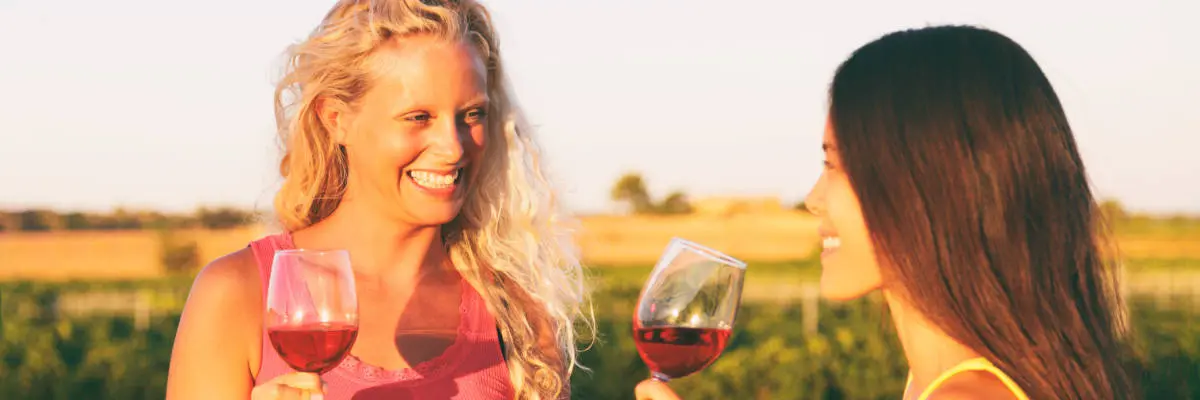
(137, 144)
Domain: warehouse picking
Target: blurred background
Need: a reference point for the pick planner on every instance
(137, 144)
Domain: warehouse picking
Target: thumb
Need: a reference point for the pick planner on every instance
(654, 390)
(301, 380)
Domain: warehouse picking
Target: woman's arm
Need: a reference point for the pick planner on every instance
(218, 333)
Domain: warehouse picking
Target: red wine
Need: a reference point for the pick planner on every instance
(316, 348)
(679, 352)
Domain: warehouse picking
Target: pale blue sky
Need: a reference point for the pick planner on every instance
(167, 105)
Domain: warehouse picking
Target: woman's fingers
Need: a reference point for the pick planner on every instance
(293, 386)
(300, 380)
(654, 390)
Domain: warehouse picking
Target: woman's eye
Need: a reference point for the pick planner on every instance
(474, 116)
(418, 117)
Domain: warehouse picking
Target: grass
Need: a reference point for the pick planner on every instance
(852, 354)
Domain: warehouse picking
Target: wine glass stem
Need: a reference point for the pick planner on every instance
(659, 376)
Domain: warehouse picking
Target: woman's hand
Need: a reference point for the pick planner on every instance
(293, 386)
(654, 390)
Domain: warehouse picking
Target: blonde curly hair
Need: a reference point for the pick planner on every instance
(510, 241)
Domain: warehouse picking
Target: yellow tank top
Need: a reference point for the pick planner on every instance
(974, 364)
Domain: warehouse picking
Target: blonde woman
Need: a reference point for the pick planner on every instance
(402, 146)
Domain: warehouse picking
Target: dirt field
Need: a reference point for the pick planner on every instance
(1159, 247)
(102, 255)
(637, 240)
(605, 240)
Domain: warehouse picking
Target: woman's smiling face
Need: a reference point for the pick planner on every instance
(849, 268)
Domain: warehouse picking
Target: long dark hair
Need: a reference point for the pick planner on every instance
(978, 204)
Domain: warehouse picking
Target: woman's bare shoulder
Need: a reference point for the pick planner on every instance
(234, 274)
(217, 343)
(238, 264)
(229, 290)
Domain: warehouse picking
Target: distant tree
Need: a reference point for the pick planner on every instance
(76, 221)
(39, 220)
(8, 222)
(153, 220)
(631, 190)
(126, 220)
(122, 219)
(675, 203)
(223, 218)
(118, 219)
(101, 222)
(800, 206)
(182, 221)
(1113, 211)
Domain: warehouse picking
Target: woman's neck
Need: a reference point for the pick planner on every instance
(928, 349)
(382, 250)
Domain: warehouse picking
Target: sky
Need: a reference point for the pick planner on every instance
(168, 105)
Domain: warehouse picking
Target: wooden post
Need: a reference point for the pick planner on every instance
(810, 306)
(1195, 291)
(141, 310)
(1156, 285)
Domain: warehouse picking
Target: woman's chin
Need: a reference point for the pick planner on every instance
(421, 210)
(434, 216)
(843, 288)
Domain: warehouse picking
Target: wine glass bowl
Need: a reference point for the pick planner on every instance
(312, 308)
(686, 310)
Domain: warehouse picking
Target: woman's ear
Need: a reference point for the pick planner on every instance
(334, 118)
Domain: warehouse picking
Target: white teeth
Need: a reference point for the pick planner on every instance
(831, 243)
(434, 180)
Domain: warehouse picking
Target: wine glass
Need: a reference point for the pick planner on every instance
(312, 308)
(686, 310)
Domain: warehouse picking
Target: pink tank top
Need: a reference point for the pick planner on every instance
(472, 368)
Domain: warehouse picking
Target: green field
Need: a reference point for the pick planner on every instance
(852, 354)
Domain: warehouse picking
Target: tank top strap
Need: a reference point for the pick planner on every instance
(974, 364)
(264, 255)
(475, 311)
